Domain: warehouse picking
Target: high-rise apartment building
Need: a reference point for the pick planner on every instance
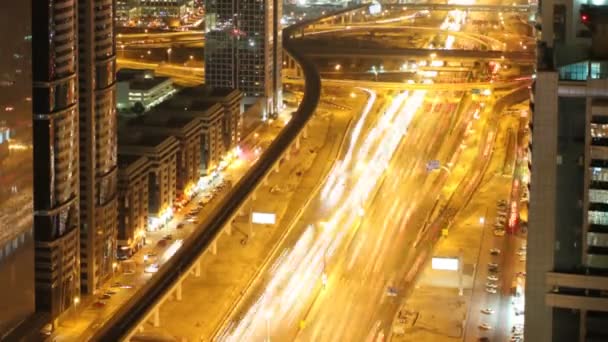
(98, 141)
(567, 261)
(16, 181)
(55, 128)
(243, 49)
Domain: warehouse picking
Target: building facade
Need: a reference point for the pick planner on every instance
(211, 117)
(98, 141)
(16, 167)
(161, 151)
(132, 204)
(56, 158)
(148, 92)
(231, 101)
(188, 131)
(243, 49)
(567, 256)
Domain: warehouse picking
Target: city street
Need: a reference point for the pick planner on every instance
(236, 265)
(83, 318)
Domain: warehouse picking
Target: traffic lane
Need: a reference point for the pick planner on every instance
(381, 257)
(310, 214)
(97, 314)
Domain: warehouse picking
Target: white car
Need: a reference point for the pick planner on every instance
(491, 285)
(494, 251)
(490, 290)
(485, 326)
(492, 278)
(153, 268)
(487, 311)
(499, 232)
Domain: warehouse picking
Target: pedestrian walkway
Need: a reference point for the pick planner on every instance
(420, 318)
(227, 274)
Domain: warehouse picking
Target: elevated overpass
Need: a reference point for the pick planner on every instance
(508, 84)
(314, 49)
(145, 304)
(468, 8)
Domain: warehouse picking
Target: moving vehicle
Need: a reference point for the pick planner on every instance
(492, 277)
(494, 251)
(485, 326)
(487, 311)
(490, 290)
(491, 285)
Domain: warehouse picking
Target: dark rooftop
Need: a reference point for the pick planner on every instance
(205, 91)
(124, 160)
(125, 75)
(176, 105)
(146, 83)
(139, 138)
(160, 118)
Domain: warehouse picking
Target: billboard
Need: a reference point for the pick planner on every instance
(448, 264)
(263, 218)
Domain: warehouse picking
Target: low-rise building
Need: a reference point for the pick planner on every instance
(161, 151)
(210, 116)
(132, 203)
(143, 87)
(231, 101)
(189, 132)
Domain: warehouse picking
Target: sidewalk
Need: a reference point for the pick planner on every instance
(79, 322)
(420, 318)
(209, 298)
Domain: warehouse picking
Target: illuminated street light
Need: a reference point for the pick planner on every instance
(338, 67)
(433, 55)
(353, 95)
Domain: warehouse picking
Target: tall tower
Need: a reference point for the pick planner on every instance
(55, 127)
(98, 139)
(567, 258)
(243, 49)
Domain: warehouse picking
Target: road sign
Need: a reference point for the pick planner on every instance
(433, 165)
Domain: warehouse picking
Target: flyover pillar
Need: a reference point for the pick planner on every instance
(178, 291)
(214, 248)
(228, 228)
(297, 142)
(156, 317)
(197, 268)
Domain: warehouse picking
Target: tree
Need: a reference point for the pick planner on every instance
(138, 108)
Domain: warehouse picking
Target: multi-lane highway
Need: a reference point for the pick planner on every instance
(360, 242)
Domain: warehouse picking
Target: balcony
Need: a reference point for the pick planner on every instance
(599, 107)
(599, 152)
(597, 239)
(597, 260)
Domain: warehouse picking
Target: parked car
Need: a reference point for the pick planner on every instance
(490, 290)
(485, 326)
(499, 232)
(492, 277)
(491, 285)
(99, 304)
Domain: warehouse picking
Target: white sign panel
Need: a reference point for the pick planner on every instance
(263, 218)
(448, 264)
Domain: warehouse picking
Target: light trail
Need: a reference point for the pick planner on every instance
(298, 273)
